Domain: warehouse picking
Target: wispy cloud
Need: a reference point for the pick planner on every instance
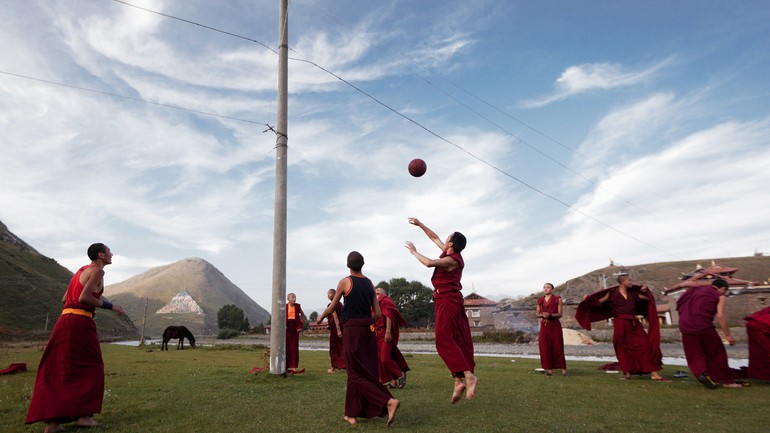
(587, 77)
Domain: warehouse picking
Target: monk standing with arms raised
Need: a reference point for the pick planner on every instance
(70, 379)
(453, 334)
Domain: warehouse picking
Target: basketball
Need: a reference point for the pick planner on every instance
(417, 167)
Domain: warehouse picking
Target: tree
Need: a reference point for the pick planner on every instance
(232, 317)
(413, 299)
(314, 316)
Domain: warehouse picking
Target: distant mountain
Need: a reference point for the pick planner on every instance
(658, 276)
(189, 292)
(31, 289)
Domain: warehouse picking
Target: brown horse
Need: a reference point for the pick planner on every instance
(180, 332)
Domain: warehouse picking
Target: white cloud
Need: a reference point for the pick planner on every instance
(584, 78)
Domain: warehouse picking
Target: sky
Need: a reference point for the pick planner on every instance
(558, 136)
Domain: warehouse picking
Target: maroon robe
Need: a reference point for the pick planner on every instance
(703, 347)
(392, 362)
(453, 333)
(365, 396)
(70, 378)
(758, 330)
(551, 338)
(293, 326)
(336, 351)
(637, 351)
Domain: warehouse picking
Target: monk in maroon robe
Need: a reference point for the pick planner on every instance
(70, 379)
(550, 338)
(703, 348)
(453, 333)
(365, 396)
(336, 352)
(637, 352)
(393, 366)
(294, 322)
(758, 330)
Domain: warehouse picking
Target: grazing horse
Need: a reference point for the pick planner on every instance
(179, 332)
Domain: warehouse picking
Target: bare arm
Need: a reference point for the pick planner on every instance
(428, 232)
(723, 320)
(337, 323)
(388, 337)
(342, 287)
(376, 307)
(94, 283)
(448, 263)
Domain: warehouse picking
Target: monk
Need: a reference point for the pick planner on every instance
(393, 366)
(453, 333)
(550, 338)
(336, 353)
(758, 330)
(70, 379)
(703, 348)
(365, 396)
(637, 352)
(295, 318)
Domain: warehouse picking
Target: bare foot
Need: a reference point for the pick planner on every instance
(393, 405)
(86, 421)
(350, 419)
(53, 427)
(330, 371)
(471, 384)
(458, 391)
(732, 385)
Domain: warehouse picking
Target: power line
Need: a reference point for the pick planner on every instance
(409, 119)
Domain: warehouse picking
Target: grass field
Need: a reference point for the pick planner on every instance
(209, 390)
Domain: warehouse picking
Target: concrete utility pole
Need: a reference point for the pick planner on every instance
(278, 310)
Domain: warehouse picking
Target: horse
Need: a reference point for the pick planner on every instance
(180, 332)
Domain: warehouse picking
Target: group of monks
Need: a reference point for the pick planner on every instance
(365, 331)
(638, 351)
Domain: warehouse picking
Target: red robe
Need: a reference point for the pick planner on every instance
(637, 351)
(758, 330)
(703, 347)
(392, 362)
(453, 333)
(70, 377)
(336, 347)
(551, 338)
(293, 326)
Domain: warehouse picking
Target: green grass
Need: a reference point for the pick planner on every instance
(210, 390)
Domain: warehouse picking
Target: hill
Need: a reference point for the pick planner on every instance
(657, 276)
(189, 292)
(32, 286)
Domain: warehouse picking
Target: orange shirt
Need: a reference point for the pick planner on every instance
(290, 313)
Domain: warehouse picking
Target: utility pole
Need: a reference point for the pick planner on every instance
(278, 310)
(144, 320)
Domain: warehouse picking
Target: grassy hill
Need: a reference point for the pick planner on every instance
(32, 287)
(657, 276)
(204, 283)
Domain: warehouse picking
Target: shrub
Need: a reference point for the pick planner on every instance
(226, 334)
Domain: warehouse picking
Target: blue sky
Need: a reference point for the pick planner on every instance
(558, 135)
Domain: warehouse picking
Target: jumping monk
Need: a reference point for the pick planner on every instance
(758, 330)
(336, 352)
(550, 338)
(393, 366)
(703, 348)
(637, 352)
(294, 322)
(453, 333)
(70, 379)
(365, 396)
